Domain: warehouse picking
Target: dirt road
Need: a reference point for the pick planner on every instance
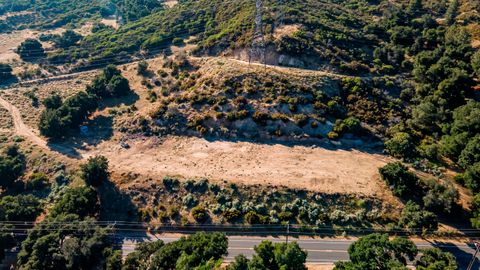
(20, 128)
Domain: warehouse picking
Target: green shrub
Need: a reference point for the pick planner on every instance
(231, 215)
(177, 41)
(142, 68)
(400, 145)
(12, 165)
(6, 73)
(95, 171)
(475, 211)
(471, 153)
(440, 198)
(37, 181)
(471, 177)
(416, 219)
(260, 117)
(190, 201)
(252, 218)
(200, 214)
(285, 216)
(300, 119)
(81, 201)
(20, 208)
(399, 178)
(435, 258)
(110, 83)
(30, 50)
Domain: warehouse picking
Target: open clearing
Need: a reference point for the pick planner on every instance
(314, 168)
(317, 169)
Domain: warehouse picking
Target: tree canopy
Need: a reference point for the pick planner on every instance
(378, 252)
(190, 252)
(30, 50)
(95, 171)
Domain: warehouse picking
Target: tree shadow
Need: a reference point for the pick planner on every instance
(117, 206)
(99, 129)
(462, 253)
(367, 145)
(8, 83)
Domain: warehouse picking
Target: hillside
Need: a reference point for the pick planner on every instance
(319, 118)
(312, 34)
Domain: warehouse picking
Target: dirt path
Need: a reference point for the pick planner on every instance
(21, 129)
(290, 70)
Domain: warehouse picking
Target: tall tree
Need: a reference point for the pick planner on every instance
(95, 171)
(30, 49)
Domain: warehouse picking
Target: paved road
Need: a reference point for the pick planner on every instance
(320, 251)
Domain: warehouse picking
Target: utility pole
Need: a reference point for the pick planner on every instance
(114, 232)
(288, 231)
(474, 257)
(258, 38)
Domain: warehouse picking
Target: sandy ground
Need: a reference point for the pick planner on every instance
(317, 169)
(170, 3)
(313, 168)
(8, 42)
(111, 22)
(476, 43)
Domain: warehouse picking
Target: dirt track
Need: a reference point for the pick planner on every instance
(20, 128)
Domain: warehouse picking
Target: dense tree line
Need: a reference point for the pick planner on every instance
(192, 252)
(441, 119)
(132, 10)
(423, 197)
(274, 256)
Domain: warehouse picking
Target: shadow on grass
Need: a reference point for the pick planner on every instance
(117, 206)
(100, 129)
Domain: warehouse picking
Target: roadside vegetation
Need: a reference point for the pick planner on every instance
(399, 76)
(191, 202)
(377, 251)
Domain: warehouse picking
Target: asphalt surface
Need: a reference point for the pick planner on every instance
(320, 251)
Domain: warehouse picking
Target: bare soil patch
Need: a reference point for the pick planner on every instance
(171, 3)
(476, 43)
(317, 169)
(8, 42)
(286, 30)
(111, 22)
